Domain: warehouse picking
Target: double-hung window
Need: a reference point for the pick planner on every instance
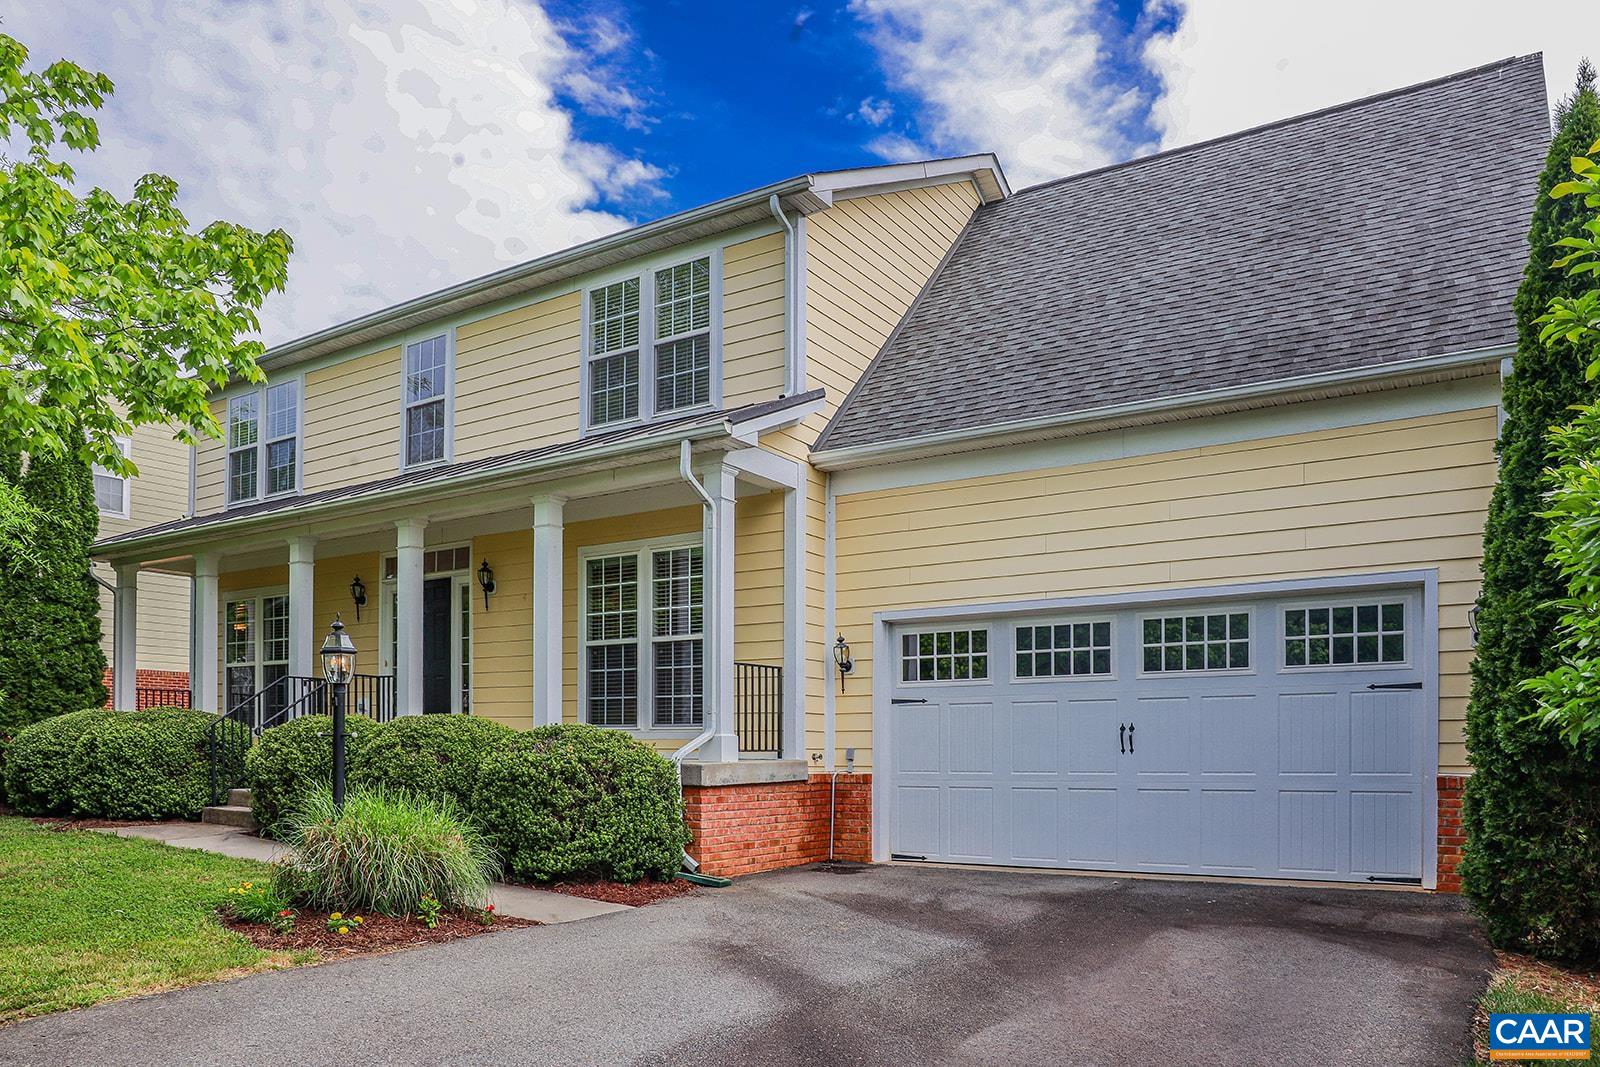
(643, 637)
(428, 388)
(264, 443)
(652, 344)
(111, 490)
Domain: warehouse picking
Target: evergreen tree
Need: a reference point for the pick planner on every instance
(1532, 806)
(51, 661)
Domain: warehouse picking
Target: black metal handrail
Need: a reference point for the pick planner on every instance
(280, 701)
(758, 709)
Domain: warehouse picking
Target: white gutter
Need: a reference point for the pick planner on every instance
(889, 451)
(791, 245)
(710, 730)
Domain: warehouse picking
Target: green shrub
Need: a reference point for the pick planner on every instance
(385, 852)
(291, 760)
(38, 764)
(149, 764)
(578, 801)
(5, 743)
(430, 755)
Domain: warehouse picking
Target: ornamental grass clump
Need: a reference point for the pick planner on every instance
(385, 852)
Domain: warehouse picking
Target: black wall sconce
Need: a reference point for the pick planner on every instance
(486, 582)
(1472, 623)
(358, 595)
(841, 656)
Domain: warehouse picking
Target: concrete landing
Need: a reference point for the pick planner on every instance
(519, 902)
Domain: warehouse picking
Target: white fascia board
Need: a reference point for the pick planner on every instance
(767, 469)
(749, 431)
(297, 515)
(1283, 389)
(983, 168)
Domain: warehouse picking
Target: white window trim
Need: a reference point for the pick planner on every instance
(1412, 610)
(465, 585)
(260, 393)
(449, 335)
(644, 272)
(644, 721)
(1253, 641)
(1067, 620)
(125, 446)
(944, 683)
(231, 596)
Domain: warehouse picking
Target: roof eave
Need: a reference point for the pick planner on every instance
(1281, 391)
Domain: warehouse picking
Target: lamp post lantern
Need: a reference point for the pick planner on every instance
(338, 667)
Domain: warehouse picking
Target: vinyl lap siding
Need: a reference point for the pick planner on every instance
(752, 321)
(352, 421)
(517, 378)
(1398, 495)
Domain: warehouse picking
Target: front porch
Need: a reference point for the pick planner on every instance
(664, 597)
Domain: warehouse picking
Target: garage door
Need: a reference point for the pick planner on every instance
(1280, 737)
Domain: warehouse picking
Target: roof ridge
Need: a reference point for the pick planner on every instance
(1331, 109)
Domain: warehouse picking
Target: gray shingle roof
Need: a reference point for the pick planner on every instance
(1388, 229)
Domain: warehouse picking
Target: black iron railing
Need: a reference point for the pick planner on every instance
(147, 696)
(758, 709)
(283, 700)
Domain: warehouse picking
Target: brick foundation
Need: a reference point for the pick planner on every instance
(1452, 835)
(152, 680)
(746, 829)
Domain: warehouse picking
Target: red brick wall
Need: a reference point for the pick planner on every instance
(745, 829)
(1452, 835)
(152, 680)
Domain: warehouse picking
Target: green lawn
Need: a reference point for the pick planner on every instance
(1522, 985)
(86, 917)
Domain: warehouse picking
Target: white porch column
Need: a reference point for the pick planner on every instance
(302, 624)
(794, 622)
(720, 481)
(408, 616)
(548, 561)
(207, 626)
(125, 640)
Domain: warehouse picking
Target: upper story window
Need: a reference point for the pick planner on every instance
(651, 344)
(111, 491)
(428, 387)
(264, 445)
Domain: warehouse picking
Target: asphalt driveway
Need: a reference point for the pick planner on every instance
(886, 965)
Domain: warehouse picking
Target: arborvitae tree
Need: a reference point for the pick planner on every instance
(1532, 806)
(51, 661)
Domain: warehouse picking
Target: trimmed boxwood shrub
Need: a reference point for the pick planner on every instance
(579, 801)
(433, 756)
(38, 765)
(291, 760)
(151, 764)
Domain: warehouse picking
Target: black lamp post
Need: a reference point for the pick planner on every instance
(338, 667)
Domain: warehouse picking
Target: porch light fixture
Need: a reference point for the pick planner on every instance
(486, 582)
(1472, 623)
(358, 594)
(841, 656)
(338, 667)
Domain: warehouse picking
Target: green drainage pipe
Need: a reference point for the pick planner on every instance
(705, 879)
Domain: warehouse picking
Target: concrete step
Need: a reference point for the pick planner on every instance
(237, 815)
(239, 797)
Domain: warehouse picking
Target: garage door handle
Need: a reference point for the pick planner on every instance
(1130, 737)
(908, 700)
(1395, 685)
(1122, 739)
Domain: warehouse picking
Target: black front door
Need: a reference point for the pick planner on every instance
(436, 646)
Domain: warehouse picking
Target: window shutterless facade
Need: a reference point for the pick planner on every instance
(428, 395)
(263, 435)
(643, 636)
(255, 646)
(652, 343)
(111, 491)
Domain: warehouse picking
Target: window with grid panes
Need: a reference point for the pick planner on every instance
(677, 622)
(282, 437)
(683, 335)
(1335, 635)
(244, 426)
(1217, 641)
(111, 490)
(426, 392)
(1061, 650)
(945, 656)
(614, 352)
(611, 639)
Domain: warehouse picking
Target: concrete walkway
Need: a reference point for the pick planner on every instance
(519, 902)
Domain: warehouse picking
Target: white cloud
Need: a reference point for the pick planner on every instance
(1230, 65)
(1029, 79)
(875, 112)
(404, 145)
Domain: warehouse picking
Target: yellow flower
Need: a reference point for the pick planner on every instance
(359, 920)
(344, 929)
(247, 885)
(336, 916)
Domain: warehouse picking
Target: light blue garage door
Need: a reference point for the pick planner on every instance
(1279, 738)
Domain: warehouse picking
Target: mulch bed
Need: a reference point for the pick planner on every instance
(636, 895)
(1559, 983)
(379, 933)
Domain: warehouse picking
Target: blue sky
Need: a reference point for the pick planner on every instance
(407, 145)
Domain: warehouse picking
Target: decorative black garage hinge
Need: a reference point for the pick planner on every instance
(908, 700)
(1388, 879)
(1395, 685)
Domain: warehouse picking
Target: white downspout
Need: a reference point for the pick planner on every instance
(710, 730)
(791, 245)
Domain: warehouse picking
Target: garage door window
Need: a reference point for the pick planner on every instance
(945, 656)
(1338, 635)
(1214, 642)
(1063, 650)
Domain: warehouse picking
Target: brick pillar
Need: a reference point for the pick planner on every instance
(1452, 835)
